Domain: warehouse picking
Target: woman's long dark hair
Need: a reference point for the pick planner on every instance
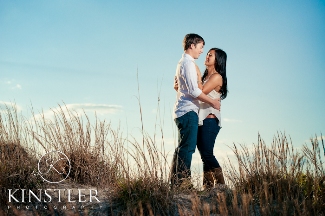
(220, 66)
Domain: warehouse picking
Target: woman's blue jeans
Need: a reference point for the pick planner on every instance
(187, 137)
(206, 137)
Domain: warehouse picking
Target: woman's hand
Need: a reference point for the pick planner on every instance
(199, 77)
(198, 72)
(175, 83)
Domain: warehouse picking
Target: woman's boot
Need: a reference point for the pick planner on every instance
(218, 175)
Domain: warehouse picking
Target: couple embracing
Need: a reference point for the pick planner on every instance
(197, 111)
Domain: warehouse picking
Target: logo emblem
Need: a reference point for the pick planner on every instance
(54, 167)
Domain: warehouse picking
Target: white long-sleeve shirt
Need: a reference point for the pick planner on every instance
(188, 89)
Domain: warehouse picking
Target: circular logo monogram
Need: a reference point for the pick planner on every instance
(54, 167)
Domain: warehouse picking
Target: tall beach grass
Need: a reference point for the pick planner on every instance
(274, 179)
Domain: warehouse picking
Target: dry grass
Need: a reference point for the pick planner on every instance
(94, 160)
(17, 162)
(270, 180)
(100, 156)
(278, 180)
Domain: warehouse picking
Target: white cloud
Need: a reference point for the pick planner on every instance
(231, 120)
(222, 141)
(13, 84)
(321, 137)
(4, 105)
(18, 86)
(80, 109)
(98, 108)
(169, 142)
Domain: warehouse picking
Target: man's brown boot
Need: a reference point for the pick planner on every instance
(208, 180)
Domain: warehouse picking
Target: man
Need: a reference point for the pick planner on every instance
(186, 109)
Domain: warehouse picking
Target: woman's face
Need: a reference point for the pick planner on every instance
(210, 58)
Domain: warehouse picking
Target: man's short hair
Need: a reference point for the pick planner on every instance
(192, 39)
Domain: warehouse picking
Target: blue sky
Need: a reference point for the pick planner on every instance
(87, 54)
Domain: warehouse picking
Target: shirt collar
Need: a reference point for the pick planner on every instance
(185, 55)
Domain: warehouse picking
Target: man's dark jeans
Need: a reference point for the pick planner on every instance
(187, 137)
(206, 138)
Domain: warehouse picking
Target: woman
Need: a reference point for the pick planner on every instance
(214, 84)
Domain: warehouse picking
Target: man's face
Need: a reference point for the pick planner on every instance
(197, 50)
